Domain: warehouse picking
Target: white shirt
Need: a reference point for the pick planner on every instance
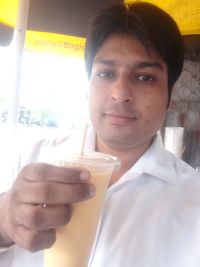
(151, 216)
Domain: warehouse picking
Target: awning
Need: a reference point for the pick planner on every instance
(57, 27)
(185, 12)
(60, 26)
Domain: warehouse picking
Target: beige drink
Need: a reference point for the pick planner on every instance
(74, 241)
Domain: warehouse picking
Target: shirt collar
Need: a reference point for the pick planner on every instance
(156, 161)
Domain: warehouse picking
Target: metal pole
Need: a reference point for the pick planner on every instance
(18, 41)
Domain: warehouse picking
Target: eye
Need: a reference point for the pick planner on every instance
(145, 78)
(105, 74)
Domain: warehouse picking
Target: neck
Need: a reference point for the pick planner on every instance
(128, 157)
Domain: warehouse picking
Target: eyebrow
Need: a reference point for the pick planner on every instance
(147, 64)
(139, 65)
(105, 62)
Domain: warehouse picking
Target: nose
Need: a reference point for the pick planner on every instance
(121, 91)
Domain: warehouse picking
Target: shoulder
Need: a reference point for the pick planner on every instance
(168, 167)
(182, 168)
(187, 179)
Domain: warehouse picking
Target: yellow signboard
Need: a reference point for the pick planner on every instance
(59, 44)
(185, 12)
(43, 42)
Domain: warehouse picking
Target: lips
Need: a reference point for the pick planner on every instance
(119, 118)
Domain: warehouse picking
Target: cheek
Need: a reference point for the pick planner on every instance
(97, 96)
(155, 110)
(156, 103)
(94, 100)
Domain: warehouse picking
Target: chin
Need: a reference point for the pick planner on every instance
(116, 137)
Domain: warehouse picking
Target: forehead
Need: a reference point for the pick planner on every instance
(119, 45)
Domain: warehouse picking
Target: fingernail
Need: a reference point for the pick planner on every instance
(84, 176)
(92, 190)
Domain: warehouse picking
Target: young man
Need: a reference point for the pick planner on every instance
(151, 216)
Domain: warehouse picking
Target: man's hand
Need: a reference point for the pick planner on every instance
(39, 202)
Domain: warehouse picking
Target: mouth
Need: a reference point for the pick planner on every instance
(119, 119)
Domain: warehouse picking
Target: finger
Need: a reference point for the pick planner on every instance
(52, 193)
(47, 172)
(36, 217)
(34, 240)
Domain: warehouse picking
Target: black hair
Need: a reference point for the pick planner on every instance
(151, 25)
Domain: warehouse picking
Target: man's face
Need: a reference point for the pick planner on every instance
(128, 92)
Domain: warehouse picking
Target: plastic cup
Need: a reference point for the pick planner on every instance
(74, 241)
